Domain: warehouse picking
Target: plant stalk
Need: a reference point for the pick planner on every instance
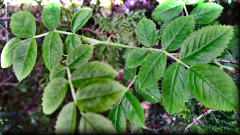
(41, 35)
(71, 85)
(185, 9)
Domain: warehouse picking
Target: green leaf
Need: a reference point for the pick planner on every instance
(99, 95)
(205, 44)
(79, 56)
(80, 18)
(72, 41)
(193, 2)
(92, 123)
(23, 24)
(58, 71)
(177, 32)
(150, 94)
(66, 121)
(213, 87)
(129, 73)
(50, 15)
(52, 50)
(24, 58)
(92, 70)
(206, 12)
(7, 52)
(133, 110)
(152, 69)
(136, 57)
(53, 95)
(166, 23)
(175, 88)
(146, 32)
(117, 116)
(167, 10)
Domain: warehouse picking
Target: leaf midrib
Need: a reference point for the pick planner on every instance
(171, 90)
(23, 25)
(73, 63)
(133, 63)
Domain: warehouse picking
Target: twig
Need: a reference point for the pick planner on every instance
(196, 120)
(231, 73)
(226, 61)
(4, 81)
(4, 29)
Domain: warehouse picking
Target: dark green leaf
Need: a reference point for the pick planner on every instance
(166, 23)
(136, 57)
(129, 73)
(72, 41)
(80, 18)
(50, 15)
(116, 115)
(58, 71)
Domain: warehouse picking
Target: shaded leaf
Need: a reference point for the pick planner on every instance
(23, 24)
(79, 56)
(7, 52)
(92, 123)
(24, 58)
(175, 88)
(72, 41)
(152, 69)
(58, 71)
(209, 41)
(66, 121)
(53, 95)
(80, 18)
(136, 57)
(52, 49)
(117, 116)
(50, 15)
(213, 87)
(129, 73)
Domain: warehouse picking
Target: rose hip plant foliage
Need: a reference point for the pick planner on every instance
(92, 83)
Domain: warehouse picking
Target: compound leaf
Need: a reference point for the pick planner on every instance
(99, 95)
(152, 69)
(146, 32)
(167, 10)
(66, 121)
(132, 109)
(117, 116)
(129, 73)
(209, 41)
(136, 57)
(23, 24)
(53, 95)
(92, 70)
(174, 88)
(177, 32)
(206, 12)
(213, 87)
(92, 123)
(7, 52)
(79, 56)
(58, 71)
(51, 14)
(80, 18)
(24, 58)
(150, 94)
(52, 49)
(72, 41)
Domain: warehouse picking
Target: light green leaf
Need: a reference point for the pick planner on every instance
(129, 73)
(213, 87)
(150, 94)
(50, 15)
(99, 95)
(167, 10)
(52, 50)
(206, 12)
(72, 41)
(66, 121)
(7, 52)
(174, 88)
(79, 56)
(23, 24)
(92, 123)
(133, 110)
(58, 71)
(53, 95)
(205, 44)
(92, 70)
(152, 69)
(117, 116)
(146, 32)
(80, 18)
(24, 58)
(166, 23)
(193, 2)
(136, 57)
(177, 32)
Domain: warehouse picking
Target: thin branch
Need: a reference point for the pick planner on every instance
(231, 73)
(5, 29)
(226, 61)
(196, 120)
(4, 81)
(98, 33)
